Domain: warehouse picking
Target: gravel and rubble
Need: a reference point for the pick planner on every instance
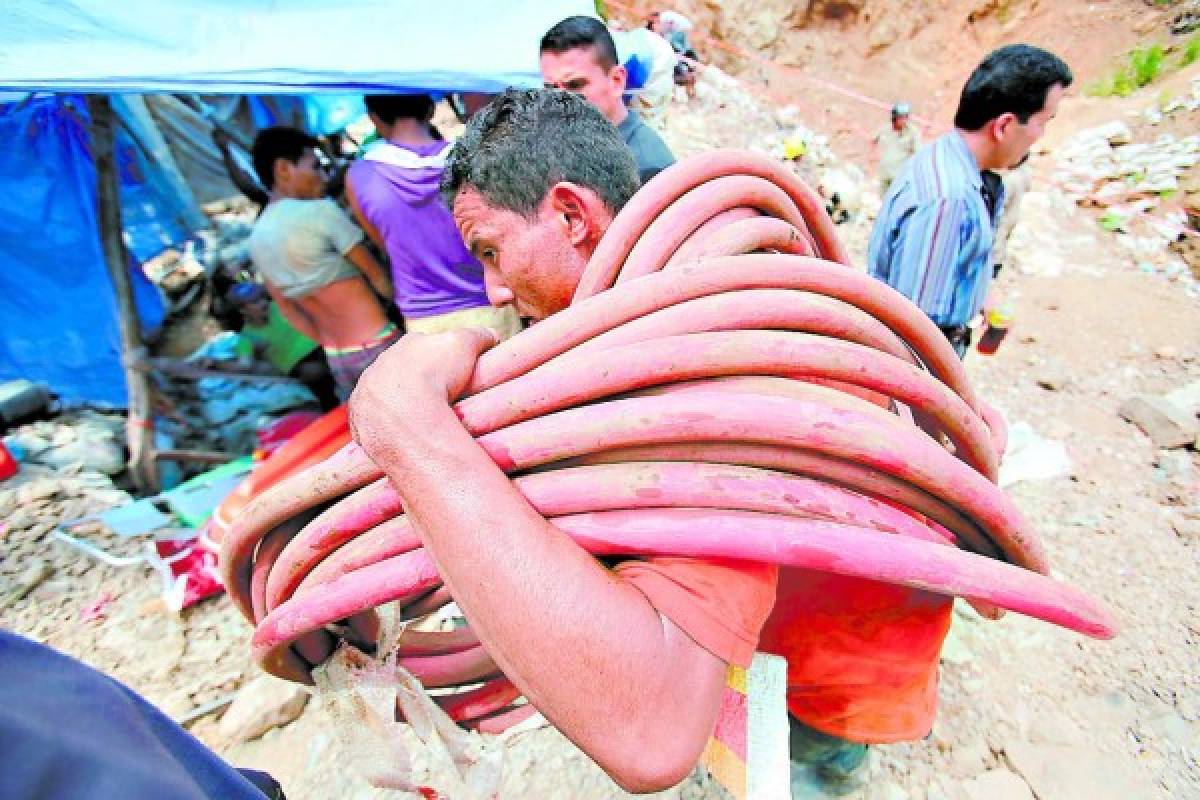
(1144, 183)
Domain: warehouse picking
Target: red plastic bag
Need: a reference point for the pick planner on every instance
(189, 572)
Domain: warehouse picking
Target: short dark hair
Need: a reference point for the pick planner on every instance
(1014, 79)
(527, 140)
(275, 143)
(391, 107)
(582, 31)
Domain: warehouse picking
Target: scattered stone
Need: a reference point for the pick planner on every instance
(887, 790)
(41, 489)
(1057, 772)
(1165, 424)
(1174, 470)
(177, 705)
(1052, 382)
(942, 788)
(1186, 398)
(1054, 727)
(1186, 529)
(153, 607)
(1166, 353)
(34, 576)
(21, 518)
(997, 784)
(264, 703)
(955, 650)
(1175, 729)
(969, 759)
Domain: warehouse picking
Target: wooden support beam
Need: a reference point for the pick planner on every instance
(195, 456)
(139, 427)
(177, 368)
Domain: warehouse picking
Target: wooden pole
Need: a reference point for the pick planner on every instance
(139, 427)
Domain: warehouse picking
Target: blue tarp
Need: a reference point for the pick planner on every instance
(58, 317)
(272, 47)
(58, 314)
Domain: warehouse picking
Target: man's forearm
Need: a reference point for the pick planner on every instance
(371, 269)
(586, 647)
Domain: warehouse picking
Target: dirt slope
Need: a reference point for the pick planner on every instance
(917, 50)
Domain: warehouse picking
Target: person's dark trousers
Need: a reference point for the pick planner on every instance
(69, 732)
(313, 372)
(959, 337)
(823, 765)
(263, 782)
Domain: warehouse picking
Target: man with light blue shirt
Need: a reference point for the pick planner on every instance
(932, 241)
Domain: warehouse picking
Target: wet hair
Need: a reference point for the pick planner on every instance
(275, 143)
(1012, 80)
(391, 107)
(582, 31)
(526, 140)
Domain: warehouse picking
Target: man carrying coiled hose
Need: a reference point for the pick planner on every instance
(628, 657)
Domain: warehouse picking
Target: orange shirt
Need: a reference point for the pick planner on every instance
(862, 655)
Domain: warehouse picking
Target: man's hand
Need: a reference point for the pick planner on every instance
(419, 374)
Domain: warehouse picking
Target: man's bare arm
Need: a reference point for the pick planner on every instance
(371, 269)
(586, 647)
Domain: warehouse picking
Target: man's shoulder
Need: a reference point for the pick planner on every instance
(648, 147)
(935, 173)
(287, 215)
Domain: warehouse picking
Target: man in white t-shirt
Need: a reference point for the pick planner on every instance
(313, 261)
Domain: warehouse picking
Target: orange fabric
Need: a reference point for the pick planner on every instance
(862, 655)
(720, 603)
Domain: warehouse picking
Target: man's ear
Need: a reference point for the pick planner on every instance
(576, 209)
(619, 76)
(282, 169)
(1004, 125)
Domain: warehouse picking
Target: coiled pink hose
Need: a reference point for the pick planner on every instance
(702, 398)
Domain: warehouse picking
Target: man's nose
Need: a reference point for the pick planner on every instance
(498, 294)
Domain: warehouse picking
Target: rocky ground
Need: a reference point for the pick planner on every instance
(1026, 710)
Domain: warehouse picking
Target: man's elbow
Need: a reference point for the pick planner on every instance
(650, 770)
(653, 760)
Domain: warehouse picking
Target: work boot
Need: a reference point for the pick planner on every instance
(824, 766)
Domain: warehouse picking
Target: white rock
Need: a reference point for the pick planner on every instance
(969, 759)
(886, 791)
(1055, 772)
(1054, 727)
(263, 704)
(997, 784)
(1186, 398)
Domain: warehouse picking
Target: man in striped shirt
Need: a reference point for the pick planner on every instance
(932, 241)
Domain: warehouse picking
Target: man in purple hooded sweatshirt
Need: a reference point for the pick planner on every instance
(393, 191)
